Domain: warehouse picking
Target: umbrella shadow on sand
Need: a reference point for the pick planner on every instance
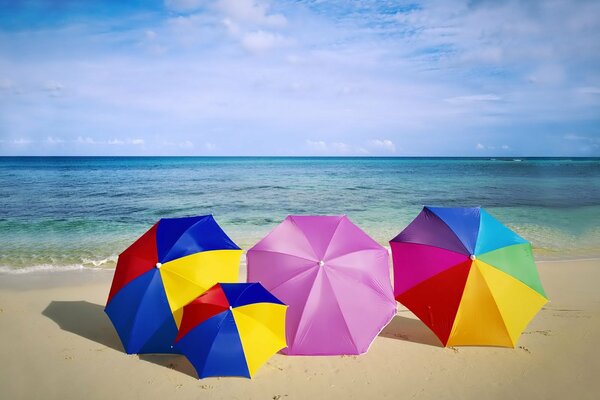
(89, 320)
(410, 330)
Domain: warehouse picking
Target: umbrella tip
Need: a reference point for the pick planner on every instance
(158, 265)
(230, 308)
(321, 263)
(472, 257)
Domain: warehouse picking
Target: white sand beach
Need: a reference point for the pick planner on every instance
(57, 343)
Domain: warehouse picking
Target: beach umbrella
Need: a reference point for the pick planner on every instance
(232, 329)
(333, 276)
(166, 268)
(468, 277)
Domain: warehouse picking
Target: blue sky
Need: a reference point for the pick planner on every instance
(304, 77)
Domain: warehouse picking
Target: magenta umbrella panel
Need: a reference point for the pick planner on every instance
(335, 279)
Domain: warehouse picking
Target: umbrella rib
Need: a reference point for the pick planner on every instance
(453, 232)
(135, 318)
(304, 236)
(497, 308)
(337, 226)
(344, 272)
(517, 278)
(240, 309)
(312, 286)
(215, 339)
(183, 277)
(242, 292)
(354, 252)
(284, 254)
(337, 302)
(292, 277)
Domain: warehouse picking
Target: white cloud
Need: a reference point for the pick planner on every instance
(332, 148)
(481, 146)
(383, 144)
(53, 88)
(186, 144)
(316, 145)
(210, 146)
(340, 148)
(252, 12)
(110, 142)
(150, 34)
(54, 140)
(260, 41)
(18, 141)
(85, 140)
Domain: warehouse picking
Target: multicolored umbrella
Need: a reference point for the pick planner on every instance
(232, 329)
(166, 268)
(468, 277)
(333, 276)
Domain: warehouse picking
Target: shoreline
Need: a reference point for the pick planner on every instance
(49, 269)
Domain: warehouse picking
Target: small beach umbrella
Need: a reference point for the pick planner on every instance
(232, 329)
(468, 277)
(166, 268)
(333, 276)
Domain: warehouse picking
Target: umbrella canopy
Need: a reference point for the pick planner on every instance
(166, 268)
(232, 329)
(468, 277)
(333, 276)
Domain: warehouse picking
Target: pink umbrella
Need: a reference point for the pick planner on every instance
(333, 276)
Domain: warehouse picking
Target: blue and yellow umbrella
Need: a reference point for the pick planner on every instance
(166, 268)
(232, 329)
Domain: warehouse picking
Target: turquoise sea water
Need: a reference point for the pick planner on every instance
(73, 212)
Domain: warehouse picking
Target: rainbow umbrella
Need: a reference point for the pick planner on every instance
(333, 276)
(468, 277)
(232, 329)
(166, 268)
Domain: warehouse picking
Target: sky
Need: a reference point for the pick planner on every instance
(303, 77)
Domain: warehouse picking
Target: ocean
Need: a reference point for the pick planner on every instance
(81, 212)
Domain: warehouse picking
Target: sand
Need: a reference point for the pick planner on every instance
(57, 343)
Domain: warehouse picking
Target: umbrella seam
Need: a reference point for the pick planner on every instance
(292, 277)
(449, 228)
(455, 234)
(215, 339)
(135, 319)
(202, 220)
(337, 226)
(312, 286)
(497, 308)
(381, 248)
(369, 286)
(303, 234)
(241, 293)
(279, 252)
(536, 271)
(262, 302)
(176, 240)
(182, 277)
(337, 303)
(431, 276)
